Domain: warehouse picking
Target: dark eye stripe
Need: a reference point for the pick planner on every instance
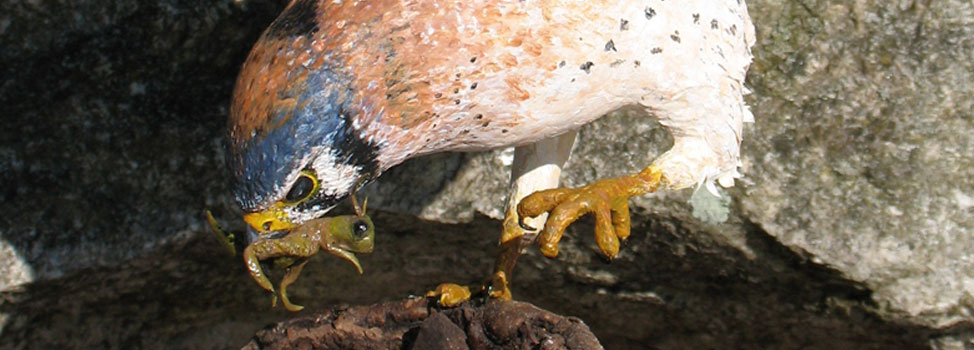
(301, 189)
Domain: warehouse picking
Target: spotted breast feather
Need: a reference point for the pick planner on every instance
(336, 92)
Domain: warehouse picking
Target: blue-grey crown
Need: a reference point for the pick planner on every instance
(322, 118)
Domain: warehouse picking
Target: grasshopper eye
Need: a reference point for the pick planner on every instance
(360, 229)
(302, 188)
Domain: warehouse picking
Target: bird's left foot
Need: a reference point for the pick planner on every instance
(496, 286)
(449, 294)
(607, 199)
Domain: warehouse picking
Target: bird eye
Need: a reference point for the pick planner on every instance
(302, 188)
(360, 228)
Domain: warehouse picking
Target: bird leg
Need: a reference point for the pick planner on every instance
(536, 167)
(607, 199)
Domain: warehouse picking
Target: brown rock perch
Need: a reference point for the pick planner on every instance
(415, 324)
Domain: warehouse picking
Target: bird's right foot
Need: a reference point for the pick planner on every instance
(607, 199)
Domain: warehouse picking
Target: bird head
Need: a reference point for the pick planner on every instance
(294, 145)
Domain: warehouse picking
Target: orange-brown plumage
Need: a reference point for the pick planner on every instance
(412, 61)
(344, 90)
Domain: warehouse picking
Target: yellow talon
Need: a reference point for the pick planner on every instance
(498, 287)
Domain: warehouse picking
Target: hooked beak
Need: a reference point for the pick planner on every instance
(269, 220)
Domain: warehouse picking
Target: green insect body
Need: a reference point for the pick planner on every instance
(342, 236)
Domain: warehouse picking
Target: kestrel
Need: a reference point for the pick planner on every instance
(335, 92)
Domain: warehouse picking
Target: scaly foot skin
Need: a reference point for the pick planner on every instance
(451, 295)
(511, 243)
(341, 236)
(498, 288)
(607, 199)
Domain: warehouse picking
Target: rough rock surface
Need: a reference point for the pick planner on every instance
(852, 229)
(416, 324)
(865, 158)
